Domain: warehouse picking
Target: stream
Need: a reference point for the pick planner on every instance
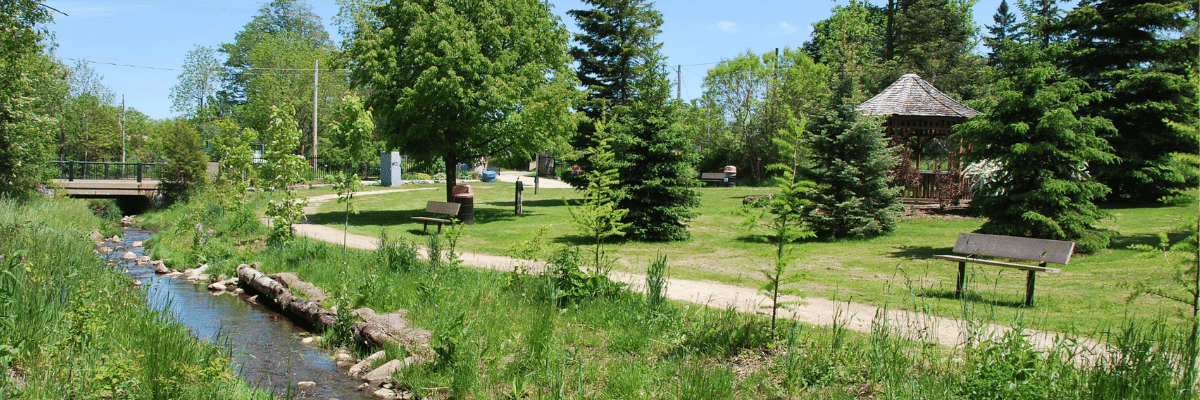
(266, 345)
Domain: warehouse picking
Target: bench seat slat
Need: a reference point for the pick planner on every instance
(1019, 248)
(998, 263)
(431, 219)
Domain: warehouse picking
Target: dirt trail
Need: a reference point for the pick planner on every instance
(812, 310)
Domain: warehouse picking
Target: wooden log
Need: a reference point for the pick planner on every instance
(276, 294)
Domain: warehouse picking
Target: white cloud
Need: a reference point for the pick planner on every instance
(728, 27)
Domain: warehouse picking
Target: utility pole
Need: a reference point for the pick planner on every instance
(122, 131)
(678, 82)
(316, 68)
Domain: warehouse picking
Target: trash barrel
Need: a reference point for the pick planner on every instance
(464, 196)
(730, 176)
(488, 176)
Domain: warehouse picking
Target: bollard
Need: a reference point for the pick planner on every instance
(520, 188)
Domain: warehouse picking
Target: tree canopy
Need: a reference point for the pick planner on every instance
(462, 79)
(1140, 55)
(29, 82)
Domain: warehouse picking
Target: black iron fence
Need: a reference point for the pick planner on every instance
(72, 170)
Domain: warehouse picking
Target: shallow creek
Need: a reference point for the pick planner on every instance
(266, 346)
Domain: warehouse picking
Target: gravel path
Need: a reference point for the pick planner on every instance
(812, 310)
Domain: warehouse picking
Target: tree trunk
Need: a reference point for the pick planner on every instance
(450, 159)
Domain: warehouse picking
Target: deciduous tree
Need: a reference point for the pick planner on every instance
(28, 78)
(467, 79)
(198, 83)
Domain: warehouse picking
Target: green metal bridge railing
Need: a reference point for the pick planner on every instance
(72, 170)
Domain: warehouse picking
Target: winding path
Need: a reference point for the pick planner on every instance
(951, 332)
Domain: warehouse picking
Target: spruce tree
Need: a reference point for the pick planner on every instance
(850, 166)
(616, 38)
(654, 163)
(1032, 130)
(626, 79)
(1002, 33)
(1139, 54)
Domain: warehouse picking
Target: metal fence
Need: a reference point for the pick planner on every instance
(72, 170)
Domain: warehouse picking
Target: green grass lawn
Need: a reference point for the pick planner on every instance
(896, 270)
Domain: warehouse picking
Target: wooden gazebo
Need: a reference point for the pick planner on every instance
(919, 119)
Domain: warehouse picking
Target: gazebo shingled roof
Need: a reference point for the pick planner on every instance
(912, 96)
(916, 108)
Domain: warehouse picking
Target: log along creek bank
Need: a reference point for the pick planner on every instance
(271, 351)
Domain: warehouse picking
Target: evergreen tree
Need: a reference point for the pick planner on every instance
(1002, 33)
(934, 39)
(626, 79)
(616, 39)
(1034, 134)
(850, 166)
(1137, 53)
(653, 163)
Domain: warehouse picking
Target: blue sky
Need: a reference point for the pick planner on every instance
(139, 45)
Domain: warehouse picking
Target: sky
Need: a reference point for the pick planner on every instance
(138, 46)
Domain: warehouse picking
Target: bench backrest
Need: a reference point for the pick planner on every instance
(1040, 250)
(712, 175)
(441, 207)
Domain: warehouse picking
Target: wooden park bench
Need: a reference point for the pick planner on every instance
(435, 208)
(708, 177)
(1042, 251)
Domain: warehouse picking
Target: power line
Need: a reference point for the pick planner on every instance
(119, 65)
(247, 71)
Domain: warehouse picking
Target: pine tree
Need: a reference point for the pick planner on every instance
(850, 165)
(1040, 142)
(1137, 53)
(1001, 34)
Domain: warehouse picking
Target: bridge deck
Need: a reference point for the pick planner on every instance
(109, 187)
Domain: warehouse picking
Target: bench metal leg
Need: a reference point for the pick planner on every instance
(425, 226)
(439, 228)
(1029, 288)
(962, 277)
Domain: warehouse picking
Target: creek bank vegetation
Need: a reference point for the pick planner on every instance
(72, 326)
(557, 332)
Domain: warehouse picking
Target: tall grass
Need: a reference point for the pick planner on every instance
(565, 333)
(72, 326)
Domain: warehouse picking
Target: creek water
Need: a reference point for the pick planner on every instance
(266, 345)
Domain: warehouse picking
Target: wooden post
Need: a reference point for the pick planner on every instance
(962, 276)
(520, 188)
(535, 184)
(1029, 287)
